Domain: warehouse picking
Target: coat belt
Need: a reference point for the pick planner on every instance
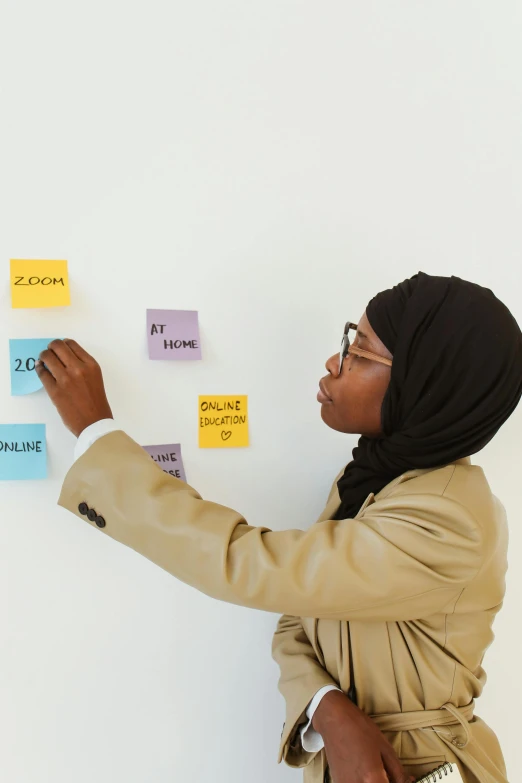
(448, 715)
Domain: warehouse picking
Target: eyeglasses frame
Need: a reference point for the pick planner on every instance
(346, 348)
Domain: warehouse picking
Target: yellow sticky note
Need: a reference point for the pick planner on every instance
(223, 421)
(39, 283)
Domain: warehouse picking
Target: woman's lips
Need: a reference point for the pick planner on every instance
(322, 396)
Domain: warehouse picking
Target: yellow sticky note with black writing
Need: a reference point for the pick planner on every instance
(39, 283)
(223, 421)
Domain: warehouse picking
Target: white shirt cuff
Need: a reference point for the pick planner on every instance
(311, 740)
(92, 433)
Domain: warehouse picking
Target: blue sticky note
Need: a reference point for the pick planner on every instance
(22, 357)
(23, 451)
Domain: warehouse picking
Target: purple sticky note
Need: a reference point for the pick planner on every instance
(168, 458)
(173, 334)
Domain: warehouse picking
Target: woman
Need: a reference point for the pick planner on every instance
(389, 598)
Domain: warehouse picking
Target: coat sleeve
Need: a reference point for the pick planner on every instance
(406, 557)
(301, 676)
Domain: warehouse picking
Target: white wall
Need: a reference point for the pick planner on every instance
(272, 164)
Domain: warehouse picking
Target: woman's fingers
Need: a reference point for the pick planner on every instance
(65, 355)
(46, 378)
(53, 363)
(63, 352)
(394, 769)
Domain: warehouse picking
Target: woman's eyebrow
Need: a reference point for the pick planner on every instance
(361, 334)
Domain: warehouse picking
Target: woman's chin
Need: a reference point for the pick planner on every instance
(326, 415)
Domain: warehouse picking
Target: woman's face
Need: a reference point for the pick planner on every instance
(351, 402)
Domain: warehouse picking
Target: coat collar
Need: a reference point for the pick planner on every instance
(335, 501)
(385, 491)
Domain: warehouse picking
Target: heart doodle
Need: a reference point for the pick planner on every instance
(226, 435)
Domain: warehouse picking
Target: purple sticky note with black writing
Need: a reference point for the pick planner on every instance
(173, 334)
(168, 458)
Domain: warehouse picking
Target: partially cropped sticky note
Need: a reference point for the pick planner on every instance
(23, 452)
(39, 283)
(173, 334)
(223, 421)
(168, 458)
(22, 358)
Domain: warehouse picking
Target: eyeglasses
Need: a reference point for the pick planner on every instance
(346, 348)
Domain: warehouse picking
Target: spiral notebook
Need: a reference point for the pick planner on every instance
(447, 772)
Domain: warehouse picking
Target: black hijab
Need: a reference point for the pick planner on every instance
(455, 379)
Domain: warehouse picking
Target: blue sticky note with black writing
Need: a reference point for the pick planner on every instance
(23, 451)
(22, 358)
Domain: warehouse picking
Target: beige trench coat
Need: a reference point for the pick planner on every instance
(418, 573)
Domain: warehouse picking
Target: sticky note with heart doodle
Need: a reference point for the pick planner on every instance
(223, 421)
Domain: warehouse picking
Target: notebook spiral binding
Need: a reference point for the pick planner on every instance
(438, 774)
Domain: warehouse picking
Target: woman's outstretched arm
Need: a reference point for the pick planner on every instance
(407, 556)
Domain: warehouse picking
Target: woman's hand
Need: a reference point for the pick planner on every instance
(73, 380)
(357, 752)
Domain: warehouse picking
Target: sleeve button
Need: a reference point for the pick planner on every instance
(100, 521)
(83, 508)
(91, 514)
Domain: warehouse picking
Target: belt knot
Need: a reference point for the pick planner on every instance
(447, 715)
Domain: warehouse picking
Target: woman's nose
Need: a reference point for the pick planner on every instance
(332, 365)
